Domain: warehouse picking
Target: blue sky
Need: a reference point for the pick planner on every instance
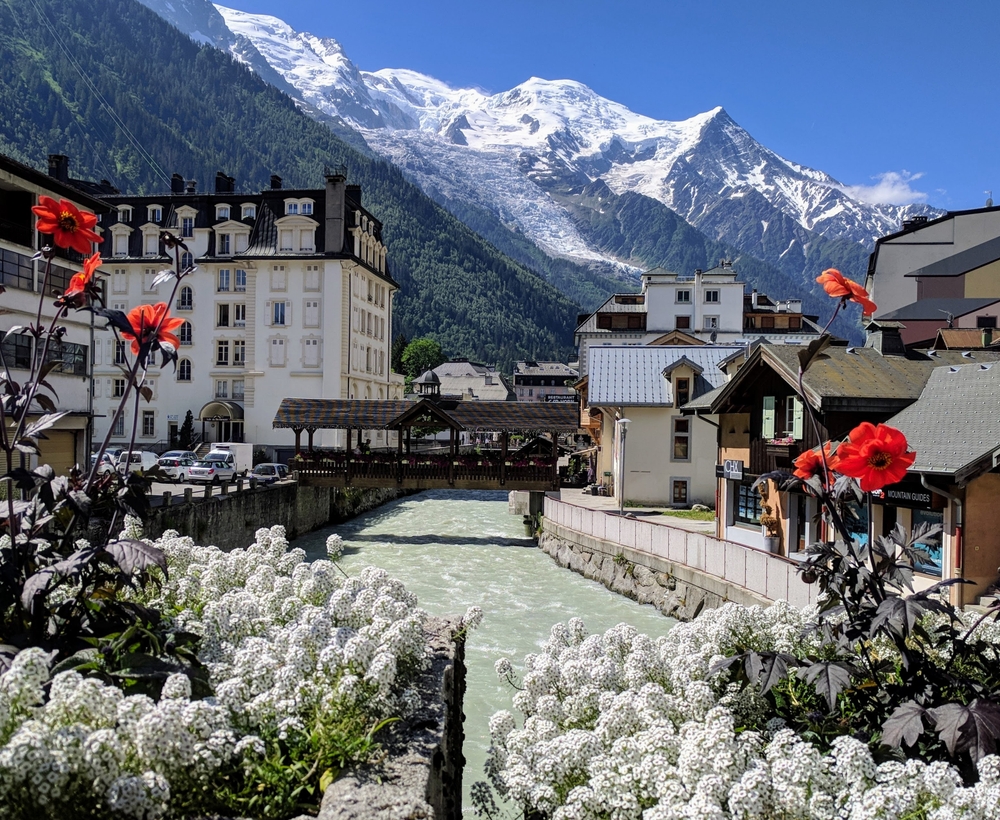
(900, 99)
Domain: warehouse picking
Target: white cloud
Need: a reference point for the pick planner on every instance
(890, 188)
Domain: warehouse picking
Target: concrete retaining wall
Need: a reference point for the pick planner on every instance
(678, 571)
(230, 521)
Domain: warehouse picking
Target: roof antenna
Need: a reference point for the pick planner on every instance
(950, 315)
(989, 199)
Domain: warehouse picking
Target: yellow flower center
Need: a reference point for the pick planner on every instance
(67, 222)
(879, 461)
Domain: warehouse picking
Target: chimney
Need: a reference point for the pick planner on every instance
(275, 182)
(223, 184)
(753, 299)
(190, 186)
(987, 336)
(333, 236)
(59, 167)
(885, 338)
(176, 184)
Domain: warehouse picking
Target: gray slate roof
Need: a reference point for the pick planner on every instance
(937, 310)
(633, 374)
(954, 426)
(964, 261)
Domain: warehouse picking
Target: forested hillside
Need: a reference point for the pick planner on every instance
(65, 66)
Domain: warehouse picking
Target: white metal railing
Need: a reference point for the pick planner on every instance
(771, 576)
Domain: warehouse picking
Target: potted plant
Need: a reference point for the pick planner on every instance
(769, 522)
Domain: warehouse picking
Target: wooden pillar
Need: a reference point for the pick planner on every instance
(504, 439)
(312, 432)
(399, 456)
(408, 431)
(350, 453)
(451, 455)
(298, 440)
(555, 460)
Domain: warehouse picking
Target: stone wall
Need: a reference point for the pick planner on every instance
(421, 775)
(230, 521)
(674, 589)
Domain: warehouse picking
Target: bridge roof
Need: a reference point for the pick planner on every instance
(346, 414)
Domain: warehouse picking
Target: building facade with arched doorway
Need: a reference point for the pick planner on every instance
(292, 296)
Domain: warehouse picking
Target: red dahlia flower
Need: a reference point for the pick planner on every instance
(840, 287)
(876, 456)
(78, 284)
(151, 324)
(810, 463)
(70, 227)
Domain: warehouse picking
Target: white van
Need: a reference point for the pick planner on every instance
(138, 460)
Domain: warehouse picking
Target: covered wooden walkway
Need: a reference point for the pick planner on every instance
(409, 469)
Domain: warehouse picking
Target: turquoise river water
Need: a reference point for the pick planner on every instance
(456, 550)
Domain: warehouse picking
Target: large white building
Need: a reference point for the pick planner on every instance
(21, 277)
(292, 297)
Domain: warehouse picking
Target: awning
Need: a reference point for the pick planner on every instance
(219, 410)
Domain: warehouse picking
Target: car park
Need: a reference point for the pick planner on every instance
(269, 473)
(179, 469)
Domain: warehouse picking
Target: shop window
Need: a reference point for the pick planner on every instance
(746, 506)
(931, 564)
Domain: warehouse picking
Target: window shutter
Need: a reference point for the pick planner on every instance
(797, 420)
(767, 422)
(269, 312)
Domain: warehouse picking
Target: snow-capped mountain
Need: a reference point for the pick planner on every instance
(528, 155)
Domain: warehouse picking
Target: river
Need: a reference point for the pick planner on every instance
(459, 549)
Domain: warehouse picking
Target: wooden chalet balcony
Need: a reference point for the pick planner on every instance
(765, 457)
(425, 472)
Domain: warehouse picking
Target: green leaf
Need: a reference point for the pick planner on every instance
(325, 779)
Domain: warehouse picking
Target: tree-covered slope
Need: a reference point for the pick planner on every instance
(65, 66)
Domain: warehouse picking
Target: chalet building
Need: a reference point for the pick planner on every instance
(292, 297)
(703, 308)
(938, 273)
(21, 277)
(544, 381)
(763, 425)
(668, 458)
(472, 381)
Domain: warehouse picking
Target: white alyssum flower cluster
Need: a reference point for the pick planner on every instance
(622, 726)
(285, 642)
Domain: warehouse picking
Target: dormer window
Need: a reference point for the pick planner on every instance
(155, 214)
(187, 226)
(307, 207)
(222, 212)
(125, 214)
(291, 207)
(225, 244)
(249, 212)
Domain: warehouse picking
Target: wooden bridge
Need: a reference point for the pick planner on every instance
(409, 469)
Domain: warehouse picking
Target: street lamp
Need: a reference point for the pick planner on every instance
(622, 425)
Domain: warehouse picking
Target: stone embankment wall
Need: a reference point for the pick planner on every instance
(230, 521)
(421, 775)
(677, 571)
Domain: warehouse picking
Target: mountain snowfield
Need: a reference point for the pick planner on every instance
(526, 155)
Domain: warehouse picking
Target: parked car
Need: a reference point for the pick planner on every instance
(138, 460)
(179, 469)
(210, 472)
(269, 473)
(191, 454)
(107, 463)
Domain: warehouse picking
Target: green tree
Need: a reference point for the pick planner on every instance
(399, 344)
(421, 355)
(186, 432)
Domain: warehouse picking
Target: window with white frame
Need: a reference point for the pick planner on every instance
(276, 356)
(149, 423)
(278, 279)
(155, 214)
(249, 212)
(184, 370)
(242, 240)
(680, 449)
(224, 244)
(793, 417)
(239, 352)
(148, 275)
(285, 239)
(307, 207)
(187, 226)
(221, 389)
(222, 352)
(683, 297)
(152, 244)
(239, 315)
(711, 297)
(125, 214)
(185, 334)
(278, 314)
(307, 240)
(711, 323)
(121, 244)
(291, 207)
(222, 319)
(311, 281)
(238, 389)
(117, 388)
(120, 352)
(187, 260)
(223, 280)
(222, 212)
(240, 284)
(119, 426)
